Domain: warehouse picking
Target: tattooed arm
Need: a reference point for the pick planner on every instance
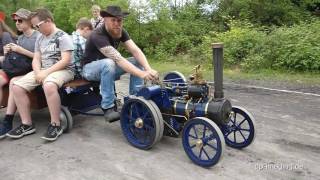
(140, 57)
(113, 54)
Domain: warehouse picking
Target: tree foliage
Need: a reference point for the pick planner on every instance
(257, 33)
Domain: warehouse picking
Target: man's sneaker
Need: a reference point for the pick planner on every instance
(111, 115)
(21, 131)
(52, 133)
(5, 127)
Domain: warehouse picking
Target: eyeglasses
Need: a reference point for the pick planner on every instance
(37, 26)
(18, 20)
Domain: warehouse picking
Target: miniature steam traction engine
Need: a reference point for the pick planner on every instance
(175, 107)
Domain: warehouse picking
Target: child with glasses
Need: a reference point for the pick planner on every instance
(52, 68)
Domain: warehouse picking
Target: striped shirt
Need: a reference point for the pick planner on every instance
(79, 44)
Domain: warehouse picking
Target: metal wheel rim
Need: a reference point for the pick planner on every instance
(160, 119)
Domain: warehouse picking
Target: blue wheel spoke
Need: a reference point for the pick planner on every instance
(148, 131)
(212, 147)
(206, 153)
(131, 124)
(211, 137)
(148, 126)
(142, 136)
(136, 109)
(195, 132)
(244, 129)
(232, 121)
(234, 136)
(227, 133)
(241, 122)
(135, 133)
(131, 110)
(242, 136)
(204, 131)
(192, 136)
(130, 118)
(146, 113)
(192, 146)
(200, 153)
(145, 136)
(150, 120)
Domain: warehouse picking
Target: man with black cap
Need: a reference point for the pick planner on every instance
(102, 62)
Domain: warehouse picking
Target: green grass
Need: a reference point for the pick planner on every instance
(236, 74)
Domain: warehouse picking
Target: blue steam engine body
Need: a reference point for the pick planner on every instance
(179, 102)
(177, 108)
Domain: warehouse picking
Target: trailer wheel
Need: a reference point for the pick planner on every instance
(66, 119)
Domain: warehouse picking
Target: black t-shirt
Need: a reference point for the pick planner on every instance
(98, 39)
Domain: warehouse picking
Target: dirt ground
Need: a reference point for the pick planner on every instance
(286, 146)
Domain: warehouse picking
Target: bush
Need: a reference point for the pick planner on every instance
(293, 48)
(297, 48)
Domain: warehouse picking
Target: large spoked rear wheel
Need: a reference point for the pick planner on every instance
(203, 141)
(66, 119)
(174, 77)
(240, 131)
(141, 122)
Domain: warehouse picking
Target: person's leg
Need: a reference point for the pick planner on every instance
(135, 82)
(1, 61)
(104, 71)
(51, 86)
(53, 100)
(4, 79)
(20, 89)
(11, 107)
(6, 124)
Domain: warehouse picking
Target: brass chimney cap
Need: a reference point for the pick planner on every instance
(217, 45)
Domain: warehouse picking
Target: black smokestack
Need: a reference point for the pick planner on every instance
(217, 49)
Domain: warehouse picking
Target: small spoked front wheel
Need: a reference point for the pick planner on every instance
(203, 141)
(240, 131)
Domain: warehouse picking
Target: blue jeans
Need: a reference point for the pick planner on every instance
(106, 71)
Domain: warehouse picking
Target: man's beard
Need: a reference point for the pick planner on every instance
(115, 33)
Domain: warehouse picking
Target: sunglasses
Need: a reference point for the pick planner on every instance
(37, 26)
(18, 20)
